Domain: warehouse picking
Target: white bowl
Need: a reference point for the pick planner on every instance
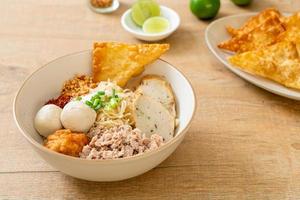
(138, 32)
(46, 82)
(216, 33)
(114, 6)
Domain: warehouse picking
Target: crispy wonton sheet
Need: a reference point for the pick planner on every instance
(279, 62)
(119, 62)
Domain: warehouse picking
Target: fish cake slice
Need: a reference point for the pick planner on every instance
(152, 117)
(158, 88)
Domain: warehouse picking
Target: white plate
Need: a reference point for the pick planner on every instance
(216, 33)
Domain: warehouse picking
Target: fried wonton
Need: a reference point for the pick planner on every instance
(279, 62)
(292, 25)
(259, 37)
(255, 22)
(119, 62)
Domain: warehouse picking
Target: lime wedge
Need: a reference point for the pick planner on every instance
(156, 25)
(144, 9)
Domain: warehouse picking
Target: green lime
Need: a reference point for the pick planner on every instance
(156, 25)
(241, 2)
(144, 9)
(205, 9)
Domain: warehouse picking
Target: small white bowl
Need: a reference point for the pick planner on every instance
(46, 83)
(114, 6)
(138, 32)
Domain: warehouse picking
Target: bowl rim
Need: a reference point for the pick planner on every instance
(111, 161)
(171, 30)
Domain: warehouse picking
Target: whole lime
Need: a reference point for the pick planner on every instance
(241, 2)
(205, 9)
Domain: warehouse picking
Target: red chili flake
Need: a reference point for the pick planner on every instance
(60, 101)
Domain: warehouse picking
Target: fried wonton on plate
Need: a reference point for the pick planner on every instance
(255, 22)
(255, 38)
(279, 62)
(119, 61)
(292, 25)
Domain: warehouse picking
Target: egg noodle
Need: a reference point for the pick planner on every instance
(120, 115)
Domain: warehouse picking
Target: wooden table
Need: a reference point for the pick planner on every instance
(244, 142)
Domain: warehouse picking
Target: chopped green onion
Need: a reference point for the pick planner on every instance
(96, 102)
(101, 93)
(98, 106)
(100, 100)
(113, 103)
(93, 98)
(89, 103)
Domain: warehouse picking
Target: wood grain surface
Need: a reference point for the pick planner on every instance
(244, 142)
